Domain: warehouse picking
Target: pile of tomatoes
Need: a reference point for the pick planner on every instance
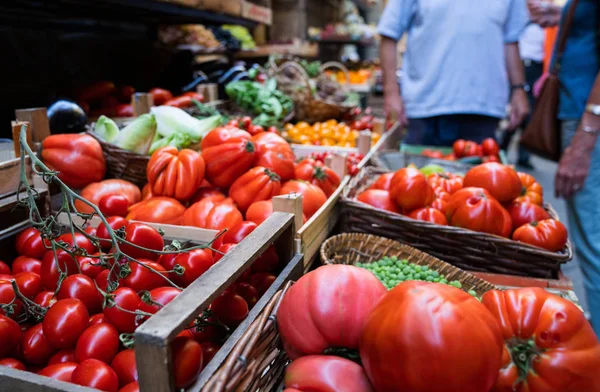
(330, 133)
(70, 315)
(488, 151)
(491, 198)
(353, 159)
(424, 337)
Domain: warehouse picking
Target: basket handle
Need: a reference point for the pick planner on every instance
(341, 67)
(302, 72)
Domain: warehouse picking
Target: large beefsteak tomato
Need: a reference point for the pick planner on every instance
(531, 190)
(414, 340)
(526, 212)
(313, 197)
(97, 190)
(378, 198)
(157, 209)
(429, 214)
(228, 160)
(500, 180)
(476, 209)
(446, 182)
(77, 157)
(318, 174)
(213, 213)
(327, 309)
(549, 346)
(384, 182)
(410, 190)
(257, 184)
(549, 234)
(176, 174)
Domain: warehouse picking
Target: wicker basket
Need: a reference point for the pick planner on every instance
(351, 248)
(393, 160)
(123, 164)
(308, 107)
(463, 248)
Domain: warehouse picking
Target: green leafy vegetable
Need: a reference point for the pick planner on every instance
(138, 135)
(269, 104)
(106, 128)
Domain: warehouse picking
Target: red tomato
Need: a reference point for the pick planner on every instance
(10, 335)
(100, 341)
(80, 241)
(429, 214)
(222, 135)
(103, 279)
(96, 191)
(267, 262)
(195, 263)
(462, 148)
(131, 387)
(97, 319)
(29, 283)
(230, 309)
(89, 266)
(95, 374)
(124, 93)
(490, 147)
(157, 298)
(187, 361)
(223, 249)
(262, 281)
(255, 129)
(5, 269)
(327, 308)
(259, 211)
(531, 190)
(256, 184)
(207, 192)
(157, 209)
(25, 264)
(142, 276)
(45, 299)
(441, 201)
(245, 122)
(549, 345)
(64, 322)
(182, 101)
(194, 95)
(59, 371)
(279, 160)
(525, 212)
(29, 243)
(83, 288)
(383, 182)
(313, 197)
(62, 356)
(238, 232)
(318, 174)
(211, 213)
(378, 198)
(549, 234)
(476, 209)
(78, 158)
(326, 373)
(160, 96)
(7, 295)
(501, 181)
(148, 237)
(53, 266)
(248, 293)
(410, 190)
(35, 348)
(124, 110)
(207, 333)
(395, 350)
(446, 182)
(227, 161)
(125, 367)
(126, 299)
(114, 205)
(273, 129)
(209, 350)
(115, 223)
(12, 363)
(175, 173)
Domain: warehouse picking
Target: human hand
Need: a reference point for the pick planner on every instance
(539, 84)
(394, 107)
(574, 166)
(519, 109)
(544, 13)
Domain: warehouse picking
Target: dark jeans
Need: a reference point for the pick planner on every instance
(533, 71)
(445, 130)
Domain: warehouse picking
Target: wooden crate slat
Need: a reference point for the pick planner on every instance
(13, 380)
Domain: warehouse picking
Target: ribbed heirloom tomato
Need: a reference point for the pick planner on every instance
(549, 234)
(274, 153)
(446, 182)
(213, 213)
(410, 190)
(384, 182)
(548, 343)
(257, 184)
(526, 212)
(157, 209)
(429, 214)
(378, 198)
(326, 309)
(176, 174)
(476, 209)
(228, 160)
(326, 373)
(318, 174)
(415, 340)
(501, 181)
(531, 190)
(313, 197)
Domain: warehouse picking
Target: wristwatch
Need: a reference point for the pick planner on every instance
(590, 130)
(593, 109)
(521, 86)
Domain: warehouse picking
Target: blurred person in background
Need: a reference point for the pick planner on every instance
(461, 66)
(578, 174)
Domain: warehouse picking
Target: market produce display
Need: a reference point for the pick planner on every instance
(269, 105)
(330, 133)
(487, 151)
(490, 198)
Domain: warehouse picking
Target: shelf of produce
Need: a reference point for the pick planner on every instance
(284, 49)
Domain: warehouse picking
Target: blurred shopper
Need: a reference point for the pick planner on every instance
(578, 174)
(461, 64)
(531, 47)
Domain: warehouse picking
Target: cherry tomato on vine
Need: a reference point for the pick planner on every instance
(45, 299)
(145, 236)
(125, 367)
(29, 284)
(64, 322)
(114, 205)
(83, 288)
(104, 278)
(25, 264)
(59, 371)
(187, 361)
(52, 267)
(248, 292)
(145, 275)
(90, 266)
(195, 263)
(223, 250)
(95, 374)
(209, 350)
(100, 341)
(35, 348)
(4, 268)
(29, 243)
(267, 262)
(7, 295)
(12, 363)
(238, 232)
(10, 335)
(131, 387)
(63, 356)
(97, 319)
(115, 223)
(230, 309)
(79, 241)
(262, 281)
(158, 297)
(122, 317)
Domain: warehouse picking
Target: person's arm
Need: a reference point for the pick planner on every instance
(574, 165)
(519, 104)
(544, 13)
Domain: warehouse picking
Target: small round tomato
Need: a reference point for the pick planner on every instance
(79, 241)
(501, 181)
(267, 262)
(29, 284)
(10, 335)
(248, 293)
(262, 281)
(125, 320)
(145, 236)
(223, 249)
(313, 197)
(125, 367)
(62, 356)
(160, 95)
(45, 299)
(255, 129)
(53, 266)
(317, 174)
(195, 263)
(378, 198)
(104, 278)
(489, 147)
(525, 212)
(83, 288)
(235, 234)
(100, 341)
(97, 319)
(131, 387)
(549, 234)
(187, 361)
(429, 214)
(35, 348)
(383, 182)
(64, 322)
(114, 205)
(12, 363)
(158, 298)
(410, 189)
(245, 122)
(7, 295)
(59, 371)
(259, 211)
(230, 309)
(5, 269)
(25, 264)
(29, 243)
(115, 223)
(90, 266)
(95, 374)
(145, 275)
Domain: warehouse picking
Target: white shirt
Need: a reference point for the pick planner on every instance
(531, 43)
